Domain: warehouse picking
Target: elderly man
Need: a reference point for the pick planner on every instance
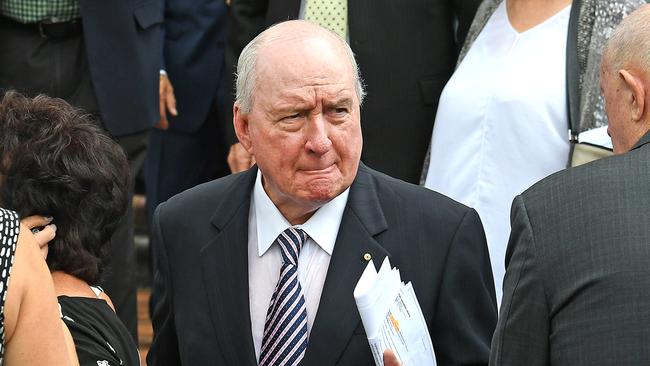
(578, 262)
(260, 267)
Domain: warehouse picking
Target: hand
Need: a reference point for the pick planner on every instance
(239, 159)
(43, 230)
(167, 102)
(390, 359)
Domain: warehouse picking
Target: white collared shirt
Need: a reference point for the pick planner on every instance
(265, 223)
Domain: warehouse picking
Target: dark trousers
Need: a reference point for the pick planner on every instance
(178, 160)
(59, 68)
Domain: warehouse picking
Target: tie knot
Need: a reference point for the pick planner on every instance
(291, 241)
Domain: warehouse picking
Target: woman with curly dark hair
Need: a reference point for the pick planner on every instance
(55, 162)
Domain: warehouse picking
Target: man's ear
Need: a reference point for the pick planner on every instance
(637, 94)
(241, 123)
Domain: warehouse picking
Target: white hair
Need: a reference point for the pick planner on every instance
(246, 68)
(630, 41)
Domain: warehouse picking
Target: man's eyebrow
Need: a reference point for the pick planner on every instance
(343, 101)
(293, 105)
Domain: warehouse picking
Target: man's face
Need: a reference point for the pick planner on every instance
(304, 123)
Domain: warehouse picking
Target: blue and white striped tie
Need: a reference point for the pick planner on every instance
(285, 331)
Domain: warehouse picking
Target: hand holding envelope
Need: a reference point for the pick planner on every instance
(392, 317)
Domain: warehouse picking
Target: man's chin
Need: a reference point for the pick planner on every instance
(323, 190)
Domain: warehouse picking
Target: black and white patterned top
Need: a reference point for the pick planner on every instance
(9, 228)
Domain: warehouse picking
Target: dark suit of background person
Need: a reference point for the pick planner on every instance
(578, 273)
(438, 244)
(108, 64)
(406, 51)
(193, 149)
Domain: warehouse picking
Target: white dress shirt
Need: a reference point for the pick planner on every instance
(502, 123)
(265, 223)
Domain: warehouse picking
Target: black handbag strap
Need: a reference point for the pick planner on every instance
(573, 72)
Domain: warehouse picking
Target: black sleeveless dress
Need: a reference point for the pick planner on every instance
(99, 336)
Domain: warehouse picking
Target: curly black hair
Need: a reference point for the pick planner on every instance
(55, 161)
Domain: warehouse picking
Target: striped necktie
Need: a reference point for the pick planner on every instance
(285, 331)
(331, 14)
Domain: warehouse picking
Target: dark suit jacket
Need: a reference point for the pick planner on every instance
(578, 268)
(194, 47)
(406, 51)
(438, 244)
(124, 48)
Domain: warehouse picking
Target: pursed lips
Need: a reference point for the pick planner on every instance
(325, 170)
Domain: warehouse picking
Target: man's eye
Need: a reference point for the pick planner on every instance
(292, 116)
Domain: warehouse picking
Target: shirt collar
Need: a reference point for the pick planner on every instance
(322, 227)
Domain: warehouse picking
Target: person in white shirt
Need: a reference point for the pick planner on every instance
(528, 71)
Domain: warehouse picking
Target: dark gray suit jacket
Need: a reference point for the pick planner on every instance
(577, 285)
(438, 244)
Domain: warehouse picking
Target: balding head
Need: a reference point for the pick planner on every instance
(625, 80)
(629, 44)
(275, 36)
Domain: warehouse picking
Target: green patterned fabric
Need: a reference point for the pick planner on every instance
(331, 14)
(33, 11)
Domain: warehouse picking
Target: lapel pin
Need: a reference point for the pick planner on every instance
(367, 257)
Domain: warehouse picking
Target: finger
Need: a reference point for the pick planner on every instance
(36, 221)
(251, 162)
(232, 161)
(390, 359)
(242, 159)
(241, 166)
(162, 87)
(44, 250)
(162, 124)
(45, 235)
(171, 101)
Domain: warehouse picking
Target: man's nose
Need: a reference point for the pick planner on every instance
(318, 140)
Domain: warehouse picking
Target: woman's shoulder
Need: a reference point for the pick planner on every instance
(98, 333)
(71, 286)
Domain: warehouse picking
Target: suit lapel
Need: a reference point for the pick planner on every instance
(337, 315)
(224, 263)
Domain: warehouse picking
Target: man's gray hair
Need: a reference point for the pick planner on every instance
(630, 41)
(246, 69)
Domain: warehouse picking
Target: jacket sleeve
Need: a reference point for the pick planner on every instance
(466, 312)
(521, 337)
(164, 348)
